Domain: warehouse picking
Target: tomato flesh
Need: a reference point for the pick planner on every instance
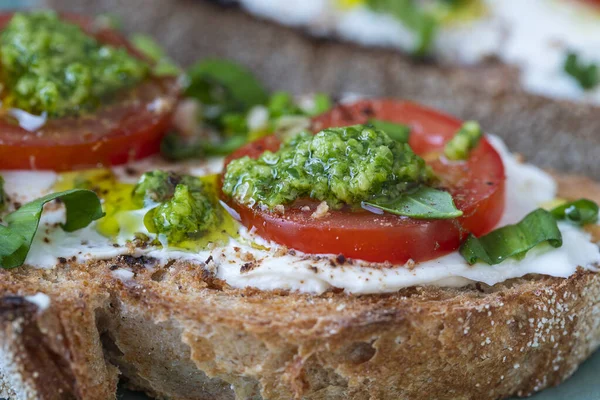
(477, 186)
(130, 127)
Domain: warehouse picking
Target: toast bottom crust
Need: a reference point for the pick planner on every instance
(176, 333)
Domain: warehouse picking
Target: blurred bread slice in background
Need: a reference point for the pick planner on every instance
(550, 133)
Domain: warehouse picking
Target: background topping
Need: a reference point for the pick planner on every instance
(50, 65)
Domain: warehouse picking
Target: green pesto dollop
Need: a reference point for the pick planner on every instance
(342, 166)
(183, 208)
(53, 66)
(464, 141)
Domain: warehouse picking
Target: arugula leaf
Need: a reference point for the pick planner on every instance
(82, 207)
(423, 203)
(398, 132)
(2, 194)
(463, 142)
(515, 240)
(224, 85)
(580, 212)
(414, 16)
(587, 75)
(163, 66)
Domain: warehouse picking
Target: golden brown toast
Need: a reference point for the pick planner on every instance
(176, 332)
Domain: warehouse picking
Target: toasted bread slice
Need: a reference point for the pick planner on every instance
(550, 133)
(176, 332)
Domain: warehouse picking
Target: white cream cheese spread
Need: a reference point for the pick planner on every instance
(249, 260)
(533, 35)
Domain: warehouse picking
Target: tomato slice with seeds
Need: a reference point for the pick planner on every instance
(477, 186)
(127, 128)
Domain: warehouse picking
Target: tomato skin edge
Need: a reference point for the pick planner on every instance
(135, 134)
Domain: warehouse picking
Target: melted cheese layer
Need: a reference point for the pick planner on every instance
(249, 261)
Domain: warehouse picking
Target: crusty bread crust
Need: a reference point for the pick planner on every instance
(178, 333)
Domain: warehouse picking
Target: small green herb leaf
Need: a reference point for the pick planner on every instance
(398, 132)
(224, 85)
(82, 207)
(513, 240)
(321, 104)
(414, 16)
(580, 212)
(465, 140)
(587, 75)
(422, 203)
(163, 66)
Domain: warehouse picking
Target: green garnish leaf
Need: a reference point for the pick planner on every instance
(465, 140)
(422, 203)
(515, 240)
(580, 212)
(282, 103)
(398, 132)
(82, 207)
(224, 85)
(164, 66)
(586, 74)
(414, 16)
(2, 194)
(322, 103)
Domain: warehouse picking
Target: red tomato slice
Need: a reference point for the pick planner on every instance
(128, 128)
(477, 186)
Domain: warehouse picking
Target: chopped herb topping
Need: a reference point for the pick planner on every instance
(183, 209)
(586, 74)
(342, 166)
(465, 140)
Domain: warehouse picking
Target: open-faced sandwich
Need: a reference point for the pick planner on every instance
(278, 247)
(554, 43)
(550, 132)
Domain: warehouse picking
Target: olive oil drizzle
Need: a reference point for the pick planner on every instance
(125, 220)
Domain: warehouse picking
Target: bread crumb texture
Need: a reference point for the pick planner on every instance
(174, 331)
